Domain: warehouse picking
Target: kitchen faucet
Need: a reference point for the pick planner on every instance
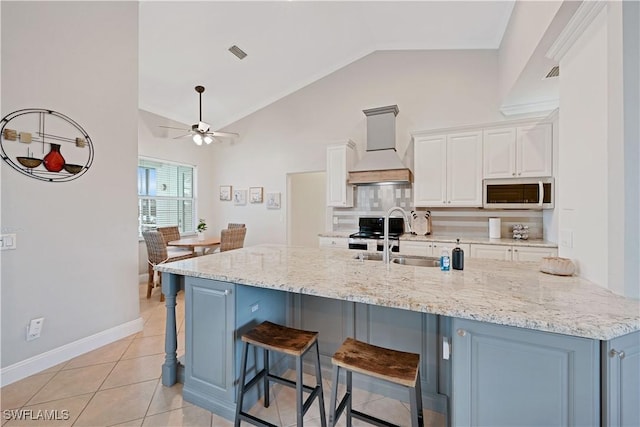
(386, 256)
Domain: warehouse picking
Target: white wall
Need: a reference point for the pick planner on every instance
(598, 196)
(432, 89)
(75, 263)
(527, 25)
(158, 143)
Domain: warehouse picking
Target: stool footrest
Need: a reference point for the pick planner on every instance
(308, 401)
(254, 420)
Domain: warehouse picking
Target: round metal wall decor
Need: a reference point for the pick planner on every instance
(45, 145)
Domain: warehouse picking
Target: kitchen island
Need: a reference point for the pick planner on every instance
(496, 317)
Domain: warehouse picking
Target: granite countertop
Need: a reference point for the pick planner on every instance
(463, 239)
(501, 292)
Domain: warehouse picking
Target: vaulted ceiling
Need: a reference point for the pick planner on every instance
(289, 44)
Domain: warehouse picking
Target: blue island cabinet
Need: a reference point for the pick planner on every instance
(621, 381)
(507, 376)
(217, 314)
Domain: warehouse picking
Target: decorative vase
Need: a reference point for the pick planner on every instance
(200, 235)
(54, 162)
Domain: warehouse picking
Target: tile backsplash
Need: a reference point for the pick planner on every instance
(376, 200)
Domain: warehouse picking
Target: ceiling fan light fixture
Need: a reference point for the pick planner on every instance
(197, 138)
(208, 140)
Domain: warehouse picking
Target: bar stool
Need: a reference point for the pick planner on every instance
(289, 341)
(394, 366)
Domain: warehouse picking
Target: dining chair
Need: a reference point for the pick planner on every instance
(232, 238)
(157, 254)
(169, 233)
(235, 225)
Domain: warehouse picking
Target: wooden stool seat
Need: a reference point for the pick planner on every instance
(271, 336)
(291, 342)
(395, 366)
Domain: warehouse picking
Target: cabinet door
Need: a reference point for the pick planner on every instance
(621, 381)
(464, 169)
(501, 252)
(534, 150)
(506, 376)
(209, 339)
(430, 173)
(499, 153)
(339, 193)
(527, 253)
(334, 242)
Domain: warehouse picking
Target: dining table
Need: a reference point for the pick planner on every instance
(194, 244)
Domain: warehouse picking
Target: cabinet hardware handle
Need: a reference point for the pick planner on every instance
(461, 332)
(513, 174)
(227, 292)
(613, 353)
(515, 250)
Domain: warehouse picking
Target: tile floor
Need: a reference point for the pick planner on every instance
(119, 385)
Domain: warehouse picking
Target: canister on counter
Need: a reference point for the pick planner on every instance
(457, 257)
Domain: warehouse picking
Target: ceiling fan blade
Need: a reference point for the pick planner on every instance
(170, 127)
(181, 136)
(224, 134)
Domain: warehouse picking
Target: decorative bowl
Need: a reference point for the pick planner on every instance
(73, 169)
(29, 162)
(557, 266)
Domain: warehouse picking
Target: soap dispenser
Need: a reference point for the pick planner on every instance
(457, 257)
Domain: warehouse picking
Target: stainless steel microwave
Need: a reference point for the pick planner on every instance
(518, 193)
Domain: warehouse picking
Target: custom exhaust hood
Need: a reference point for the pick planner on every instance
(380, 163)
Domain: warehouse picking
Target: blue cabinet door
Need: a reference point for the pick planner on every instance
(209, 345)
(621, 381)
(506, 376)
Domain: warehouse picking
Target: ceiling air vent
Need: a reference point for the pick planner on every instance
(554, 72)
(237, 51)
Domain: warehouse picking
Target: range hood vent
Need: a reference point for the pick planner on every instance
(381, 163)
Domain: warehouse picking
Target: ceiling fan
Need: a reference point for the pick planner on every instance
(199, 132)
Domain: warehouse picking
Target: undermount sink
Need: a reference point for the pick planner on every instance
(417, 261)
(412, 260)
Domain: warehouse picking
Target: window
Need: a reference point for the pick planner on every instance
(165, 195)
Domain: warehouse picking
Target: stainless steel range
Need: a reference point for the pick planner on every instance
(370, 236)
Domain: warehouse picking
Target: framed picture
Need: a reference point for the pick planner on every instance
(273, 200)
(225, 192)
(239, 197)
(255, 194)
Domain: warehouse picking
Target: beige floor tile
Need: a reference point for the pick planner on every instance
(135, 370)
(57, 413)
(190, 416)
(53, 369)
(269, 414)
(145, 346)
(154, 326)
(73, 382)
(118, 405)
(388, 409)
(16, 395)
(166, 399)
(133, 423)
(218, 421)
(108, 353)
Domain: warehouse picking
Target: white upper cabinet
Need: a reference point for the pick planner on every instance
(340, 158)
(448, 170)
(534, 150)
(516, 152)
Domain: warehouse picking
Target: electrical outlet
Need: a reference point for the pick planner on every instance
(566, 238)
(255, 308)
(8, 241)
(35, 328)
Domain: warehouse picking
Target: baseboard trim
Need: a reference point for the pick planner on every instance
(40, 362)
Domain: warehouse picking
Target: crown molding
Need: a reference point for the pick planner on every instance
(584, 16)
(532, 107)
